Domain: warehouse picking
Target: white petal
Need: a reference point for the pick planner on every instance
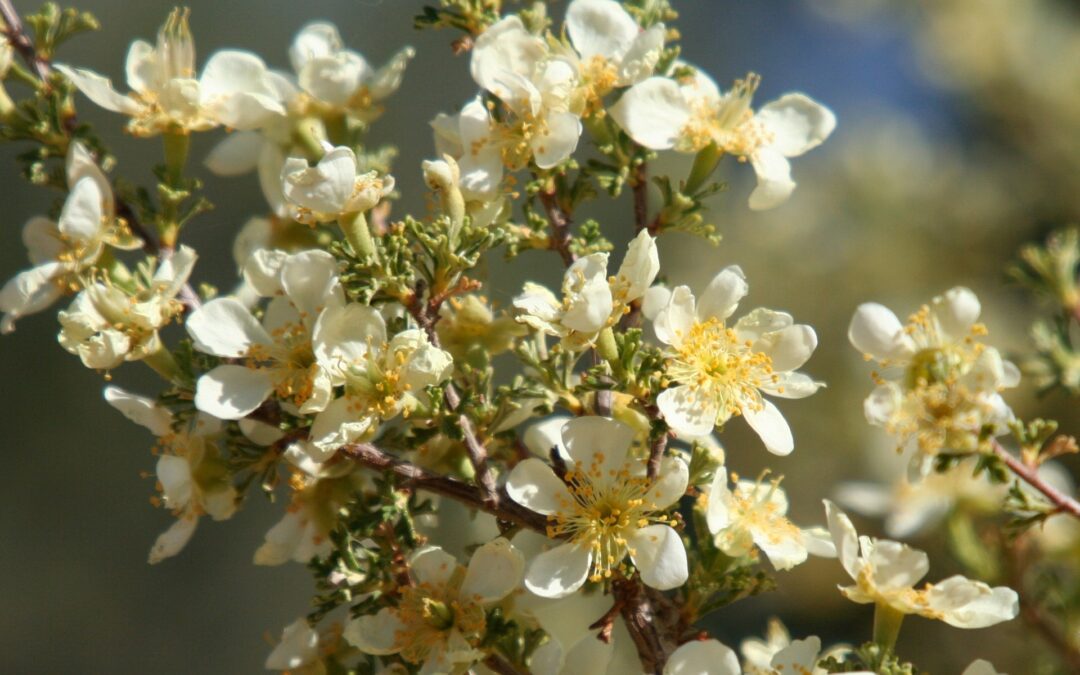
(791, 385)
(784, 552)
(310, 280)
(654, 300)
(534, 485)
(788, 348)
(560, 571)
(639, 62)
(315, 39)
(260, 433)
(598, 442)
(541, 437)
(224, 327)
(981, 667)
(263, 271)
(957, 311)
(388, 79)
(670, 485)
(339, 424)
(882, 403)
(876, 331)
(174, 474)
(717, 514)
(174, 539)
(140, 410)
(640, 266)
(232, 392)
(343, 335)
(81, 218)
(42, 239)
(236, 155)
(972, 604)
(659, 555)
(299, 646)
(324, 188)
(687, 413)
(721, 297)
(771, 426)
(505, 47)
(797, 123)
(673, 322)
(653, 112)
(600, 28)
(495, 570)
(798, 657)
(376, 633)
(590, 308)
(557, 142)
(28, 292)
(588, 655)
(235, 87)
(774, 184)
(897, 565)
(703, 657)
(845, 538)
(761, 321)
(432, 565)
(99, 90)
(143, 68)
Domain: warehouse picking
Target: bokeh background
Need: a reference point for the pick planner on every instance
(958, 140)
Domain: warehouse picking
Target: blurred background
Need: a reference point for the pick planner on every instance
(958, 140)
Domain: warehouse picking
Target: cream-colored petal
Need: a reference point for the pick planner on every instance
(495, 570)
(659, 555)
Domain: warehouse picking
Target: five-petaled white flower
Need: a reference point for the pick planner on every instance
(606, 508)
(885, 573)
(610, 49)
(108, 324)
(62, 250)
(333, 188)
(942, 386)
(755, 514)
(278, 355)
(192, 476)
(236, 89)
(688, 116)
(338, 79)
(717, 371)
(382, 376)
(591, 300)
(440, 620)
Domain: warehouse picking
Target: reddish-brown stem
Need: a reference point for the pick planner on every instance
(656, 455)
(644, 622)
(21, 42)
(506, 510)
(1030, 475)
(560, 226)
(640, 187)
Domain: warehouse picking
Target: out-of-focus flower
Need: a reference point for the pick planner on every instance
(607, 509)
(942, 386)
(235, 89)
(441, 619)
(717, 371)
(299, 647)
(661, 113)
(703, 657)
(333, 188)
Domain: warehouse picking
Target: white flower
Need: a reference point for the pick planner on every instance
(107, 325)
(193, 478)
(278, 358)
(702, 657)
(536, 87)
(605, 507)
(758, 654)
(299, 647)
(943, 385)
(339, 79)
(754, 515)
(719, 371)
(610, 48)
(591, 300)
(331, 189)
(381, 377)
(440, 620)
(62, 250)
(661, 114)
(885, 572)
(303, 533)
(235, 88)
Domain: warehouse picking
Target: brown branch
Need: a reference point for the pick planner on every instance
(645, 622)
(500, 665)
(21, 42)
(1029, 474)
(656, 455)
(506, 510)
(640, 186)
(560, 226)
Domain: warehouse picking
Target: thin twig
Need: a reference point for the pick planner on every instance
(500, 665)
(656, 455)
(560, 226)
(640, 187)
(427, 315)
(416, 477)
(21, 42)
(1029, 474)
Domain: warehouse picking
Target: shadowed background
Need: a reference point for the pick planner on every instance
(958, 139)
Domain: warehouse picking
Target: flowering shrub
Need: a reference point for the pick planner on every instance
(568, 506)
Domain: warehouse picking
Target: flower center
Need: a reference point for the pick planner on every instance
(430, 612)
(720, 368)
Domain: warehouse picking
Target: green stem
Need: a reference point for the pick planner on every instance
(607, 348)
(176, 155)
(705, 162)
(355, 228)
(163, 363)
(887, 623)
(7, 106)
(337, 130)
(309, 133)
